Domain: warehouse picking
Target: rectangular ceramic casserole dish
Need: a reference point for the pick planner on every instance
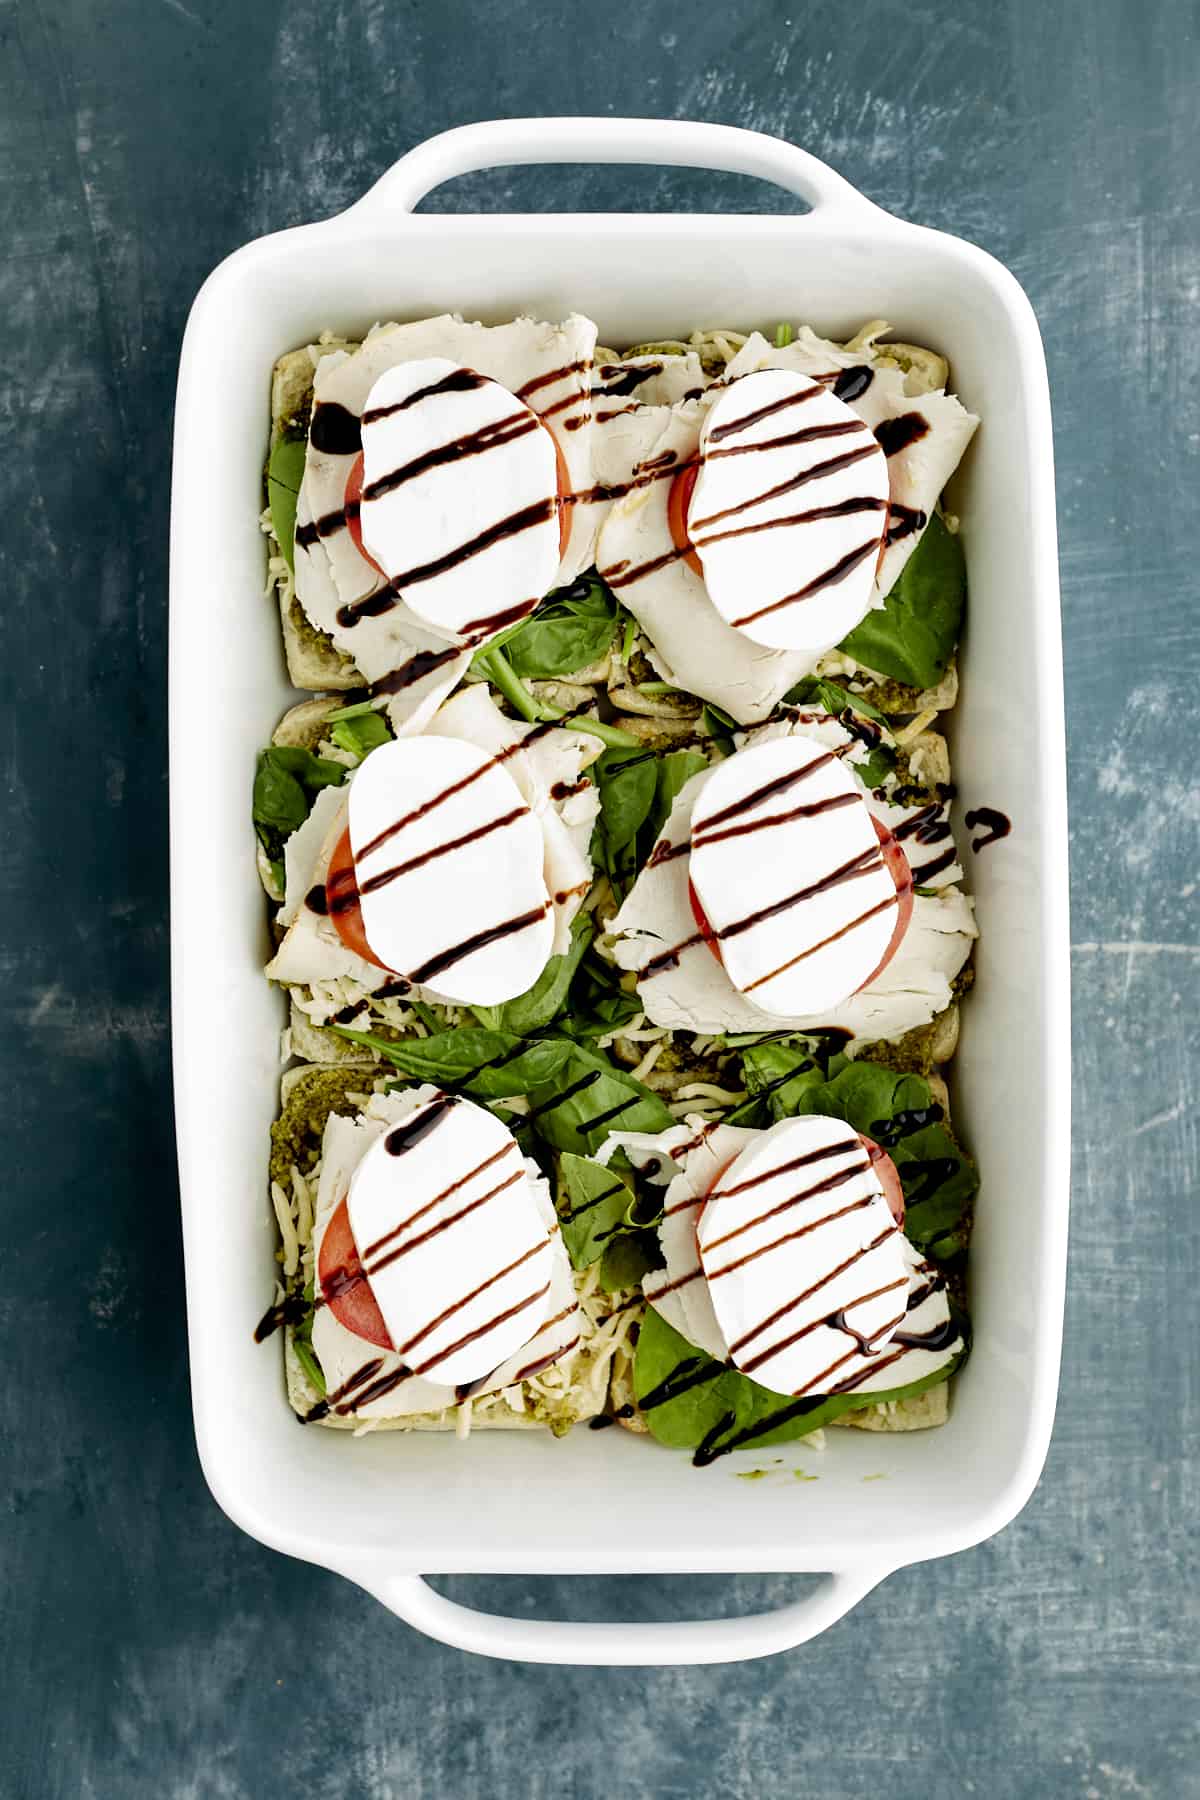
(384, 1509)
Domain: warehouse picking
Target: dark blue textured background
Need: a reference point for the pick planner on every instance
(150, 1650)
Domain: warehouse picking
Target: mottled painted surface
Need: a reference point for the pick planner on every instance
(152, 1651)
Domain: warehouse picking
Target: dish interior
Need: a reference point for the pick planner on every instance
(609, 1501)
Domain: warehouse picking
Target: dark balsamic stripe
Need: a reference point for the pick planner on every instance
(470, 1337)
(831, 466)
(385, 598)
(445, 1224)
(837, 1322)
(836, 1180)
(413, 1218)
(446, 959)
(425, 662)
(541, 381)
(575, 1212)
(780, 784)
(827, 578)
(568, 1093)
(458, 381)
(719, 433)
(374, 882)
(894, 435)
(871, 913)
(833, 804)
(334, 430)
(613, 1112)
(811, 434)
(494, 436)
(791, 1305)
(749, 1256)
(927, 870)
(402, 1137)
(412, 1342)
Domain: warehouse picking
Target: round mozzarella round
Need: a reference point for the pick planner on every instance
(804, 1263)
(460, 497)
(451, 1240)
(448, 861)
(787, 868)
(789, 511)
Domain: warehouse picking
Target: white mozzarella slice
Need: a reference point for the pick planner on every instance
(459, 498)
(802, 1259)
(547, 765)
(561, 1329)
(787, 866)
(696, 994)
(923, 829)
(371, 1382)
(451, 1240)
(449, 868)
(636, 555)
(788, 512)
(679, 1291)
(925, 434)
(546, 366)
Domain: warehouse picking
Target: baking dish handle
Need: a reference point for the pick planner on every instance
(681, 143)
(624, 1645)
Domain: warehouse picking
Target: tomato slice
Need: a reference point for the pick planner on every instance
(349, 1296)
(564, 493)
(702, 920)
(341, 899)
(679, 502)
(896, 864)
(353, 503)
(885, 1175)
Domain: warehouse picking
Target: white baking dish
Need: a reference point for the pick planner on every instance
(385, 1508)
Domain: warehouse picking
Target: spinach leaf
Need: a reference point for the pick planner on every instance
(898, 1111)
(699, 1403)
(492, 1065)
(285, 780)
(599, 1004)
(675, 770)
(533, 1010)
(363, 734)
(912, 637)
(285, 472)
(719, 727)
(815, 690)
(626, 1259)
(570, 629)
(589, 1098)
(592, 1207)
(627, 781)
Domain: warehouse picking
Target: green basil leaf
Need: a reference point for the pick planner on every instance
(534, 1010)
(363, 734)
(492, 1065)
(815, 690)
(568, 631)
(719, 727)
(592, 1207)
(588, 1099)
(627, 781)
(313, 772)
(697, 1403)
(675, 770)
(285, 472)
(599, 1004)
(898, 1111)
(912, 637)
(626, 1259)
(279, 800)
